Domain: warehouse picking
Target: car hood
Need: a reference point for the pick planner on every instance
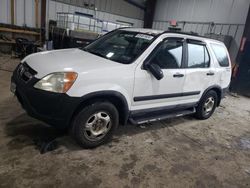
(75, 60)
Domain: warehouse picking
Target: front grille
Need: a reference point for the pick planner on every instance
(25, 72)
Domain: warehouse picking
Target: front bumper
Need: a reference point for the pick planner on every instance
(56, 109)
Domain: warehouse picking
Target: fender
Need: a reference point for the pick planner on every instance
(218, 89)
(115, 97)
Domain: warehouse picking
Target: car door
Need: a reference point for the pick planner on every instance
(150, 92)
(199, 70)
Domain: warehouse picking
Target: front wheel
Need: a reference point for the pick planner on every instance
(207, 105)
(94, 124)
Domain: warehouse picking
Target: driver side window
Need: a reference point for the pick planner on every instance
(169, 54)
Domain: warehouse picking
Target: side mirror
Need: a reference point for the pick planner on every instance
(155, 70)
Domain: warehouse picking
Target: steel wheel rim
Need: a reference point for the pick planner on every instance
(208, 105)
(97, 126)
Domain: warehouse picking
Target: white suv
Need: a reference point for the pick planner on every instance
(136, 75)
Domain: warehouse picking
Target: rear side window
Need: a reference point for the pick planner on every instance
(221, 55)
(197, 56)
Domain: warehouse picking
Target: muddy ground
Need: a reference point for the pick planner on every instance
(181, 152)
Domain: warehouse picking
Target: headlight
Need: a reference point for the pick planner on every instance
(59, 82)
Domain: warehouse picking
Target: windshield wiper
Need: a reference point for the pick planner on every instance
(98, 54)
(95, 53)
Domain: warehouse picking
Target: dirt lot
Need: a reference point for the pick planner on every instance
(182, 152)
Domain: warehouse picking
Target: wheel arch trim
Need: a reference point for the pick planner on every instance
(109, 96)
(217, 89)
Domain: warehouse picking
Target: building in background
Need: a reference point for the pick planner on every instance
(223, 17)
(205, 17)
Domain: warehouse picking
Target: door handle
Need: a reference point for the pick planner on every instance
(210, 73)
(178, 75)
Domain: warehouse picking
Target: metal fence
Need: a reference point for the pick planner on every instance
(86, 23)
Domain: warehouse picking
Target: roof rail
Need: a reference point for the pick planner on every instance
(184, 33)
(190, 34)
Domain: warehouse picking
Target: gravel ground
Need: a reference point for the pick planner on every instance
(181, 152)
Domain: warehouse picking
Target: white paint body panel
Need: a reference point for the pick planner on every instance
(98, 74)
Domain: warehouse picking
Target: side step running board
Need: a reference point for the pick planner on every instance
(149, 118)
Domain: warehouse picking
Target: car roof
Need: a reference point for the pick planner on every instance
(143, 30)
(192, 35)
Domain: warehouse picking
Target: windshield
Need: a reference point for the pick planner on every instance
(120, 46)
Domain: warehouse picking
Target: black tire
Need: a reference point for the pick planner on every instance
(79, 130)
(200, 109)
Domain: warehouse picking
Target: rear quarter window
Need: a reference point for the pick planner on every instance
(220, 54)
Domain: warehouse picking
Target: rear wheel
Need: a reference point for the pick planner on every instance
(207, 105)
(94, 124)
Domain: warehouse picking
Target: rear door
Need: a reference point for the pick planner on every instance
(199, 72)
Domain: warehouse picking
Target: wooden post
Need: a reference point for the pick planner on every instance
(12, 10)
(43, 20)
(36, 12)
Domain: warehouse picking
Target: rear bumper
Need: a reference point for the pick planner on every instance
(56, 109)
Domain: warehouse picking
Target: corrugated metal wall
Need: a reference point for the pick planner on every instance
(24, 12)
(197, 14)
(54, 6)
(222, 11)
(110, 10)
(5, 11)
(193, 11)
(117, 7)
